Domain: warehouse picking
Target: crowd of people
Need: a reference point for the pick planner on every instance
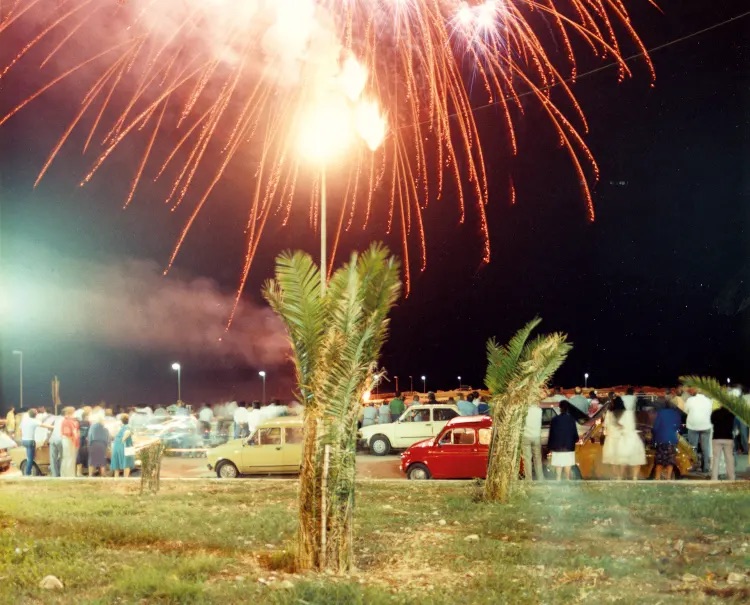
(712, 431)
(78, 440)
(390, 410)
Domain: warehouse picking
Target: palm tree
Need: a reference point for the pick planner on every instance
(713, 389)
(336, 340)
(517, 374)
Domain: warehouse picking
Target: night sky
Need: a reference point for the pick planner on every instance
(656, 287)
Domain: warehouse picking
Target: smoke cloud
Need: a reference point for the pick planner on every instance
(129, 305)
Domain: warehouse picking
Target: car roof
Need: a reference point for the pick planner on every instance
(476, 421)
(282, 421)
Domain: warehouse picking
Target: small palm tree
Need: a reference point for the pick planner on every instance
(336, 340)
(713, 389)
(517, 374)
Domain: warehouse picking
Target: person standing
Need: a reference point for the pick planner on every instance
(83, 451)
(722, 442)
(612, 435)
(55, 447)
(531, 443)
(369, 415)
(397, 407)
(241, 419)
(466, 406)
(10, 422)
(122, 445)
(630, 449)
(29, 426)
(665, 435)
(98, 440)
(205, 416)
(563, 436)
(629, 399)
(483, 408)
(579, 401)
(70, 443)
(698, 409)
(384, 413)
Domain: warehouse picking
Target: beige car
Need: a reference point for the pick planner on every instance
(275, 447)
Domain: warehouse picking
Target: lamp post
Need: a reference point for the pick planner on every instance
(178, 368)
(20, 371)
(411, 384)
(586, 380)
(424, 384)
(262, 374)
(459, 383)
(396, 379)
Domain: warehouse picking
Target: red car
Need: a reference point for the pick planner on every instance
(459, 451)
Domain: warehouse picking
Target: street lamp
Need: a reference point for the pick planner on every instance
(396, 379)
(178, 368)
(459, 382)
(586, 380)
(411, 384)
(20, 355)
(262, 374)
(424, 384)
(329, 128)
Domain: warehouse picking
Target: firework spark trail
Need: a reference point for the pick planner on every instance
(224, 76)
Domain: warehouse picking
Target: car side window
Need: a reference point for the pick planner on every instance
(444, 414)
(464, 436)
(447, 438)
(485, 435)
(269, 436)
(547, 415)
(293, 434)
(417, 416)
(254, 439)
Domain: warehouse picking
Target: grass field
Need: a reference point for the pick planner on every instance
(230, 542)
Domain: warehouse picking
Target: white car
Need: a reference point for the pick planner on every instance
(416, 423)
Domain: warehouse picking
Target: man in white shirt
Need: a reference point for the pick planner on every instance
(55, 446)
(29, 426)
(555, 395)
(531, 443)
(241, 418)
(206, 416)
(698, 409)
(629, 399)
(255, 417)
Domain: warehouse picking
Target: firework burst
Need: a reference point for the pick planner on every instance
(387, 80)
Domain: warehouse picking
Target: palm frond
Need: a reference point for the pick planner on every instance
(294, 295)
(503, 360)
(712, 388)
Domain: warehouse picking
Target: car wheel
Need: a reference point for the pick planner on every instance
(418, 472)
(35, 470)
(380, 446)
(227, 470)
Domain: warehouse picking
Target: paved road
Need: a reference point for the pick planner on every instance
(368, 467)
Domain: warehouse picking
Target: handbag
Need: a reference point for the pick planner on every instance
(130, 451)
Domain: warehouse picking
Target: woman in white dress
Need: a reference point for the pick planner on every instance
(623, 446)
(630, 449)
(612, 436)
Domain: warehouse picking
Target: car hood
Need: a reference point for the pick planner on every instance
(224, 449)
(420, 444)
(368, 431)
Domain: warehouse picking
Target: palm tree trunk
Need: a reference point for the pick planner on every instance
(308, 532)
(333, 552)
(504, 460)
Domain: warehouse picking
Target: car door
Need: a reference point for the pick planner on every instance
(263, 452)
(292, 458)
(458, 455)
(414, 425)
